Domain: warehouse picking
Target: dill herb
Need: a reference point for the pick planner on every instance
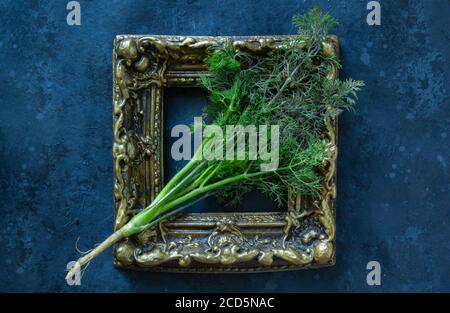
(290, 87)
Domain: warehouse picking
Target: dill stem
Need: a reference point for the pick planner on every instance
(210, 187)
(108, 242)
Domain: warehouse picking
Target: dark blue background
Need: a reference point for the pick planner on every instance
(55, 141)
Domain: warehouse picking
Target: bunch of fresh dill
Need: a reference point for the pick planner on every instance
(292, 87)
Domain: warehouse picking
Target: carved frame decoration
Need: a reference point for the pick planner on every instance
(144, 67)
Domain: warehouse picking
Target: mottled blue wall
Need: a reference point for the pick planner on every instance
(55, 141)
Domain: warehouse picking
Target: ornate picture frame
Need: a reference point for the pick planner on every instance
(144, 68)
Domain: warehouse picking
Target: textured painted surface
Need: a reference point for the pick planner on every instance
(55, 141)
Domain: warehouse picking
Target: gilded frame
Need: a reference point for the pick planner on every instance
(301, 237)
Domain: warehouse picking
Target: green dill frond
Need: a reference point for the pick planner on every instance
(222, 59)
(314, 24)
(288, 87)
